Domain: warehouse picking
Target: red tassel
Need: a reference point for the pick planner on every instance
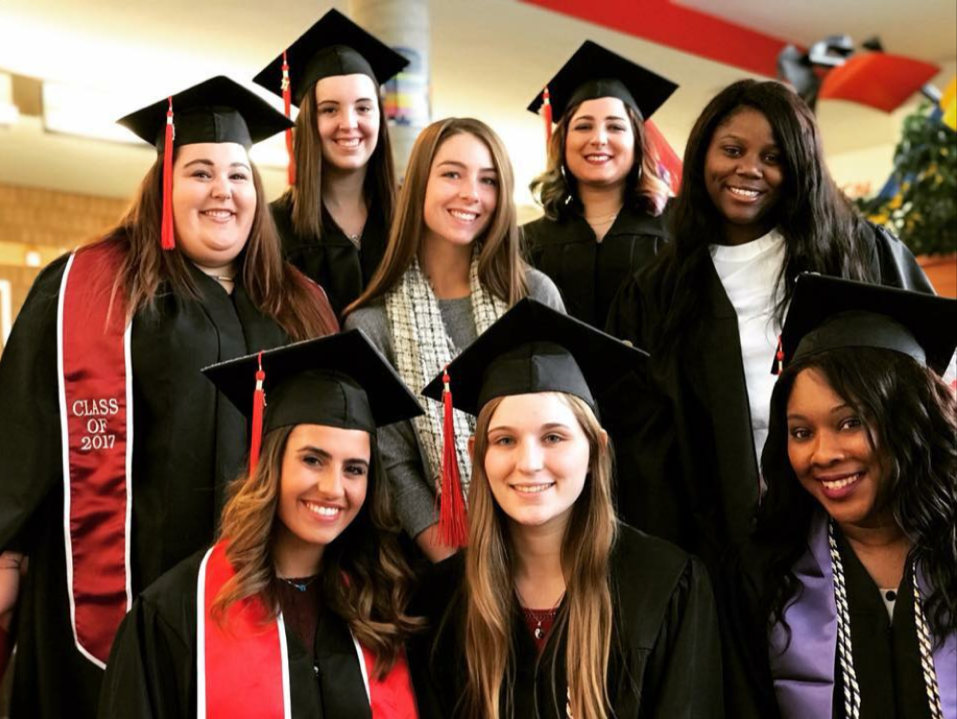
(287, 105)
(779, 356)
(167, 239)
(453, 521)
(547, 114)
(256, 432)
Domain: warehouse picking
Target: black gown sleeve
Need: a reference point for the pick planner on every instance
(748, 687)
(897, 265)
(30, 454)
(624, 315)
(150, 671)
(684, 671)
(640, 419)
(436, 661)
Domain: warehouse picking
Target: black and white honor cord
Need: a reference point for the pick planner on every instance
(852, 690)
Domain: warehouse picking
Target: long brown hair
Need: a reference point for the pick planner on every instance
(823, 232)
(372, 601)
(275, 288)
(556, 188)
(305, 196)
(501, 268)
(586, 618)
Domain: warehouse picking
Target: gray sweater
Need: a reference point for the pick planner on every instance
(412, 493)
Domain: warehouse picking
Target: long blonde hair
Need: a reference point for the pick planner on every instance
(501, 268)
(373, 599)
(587, 616)
(556, 188)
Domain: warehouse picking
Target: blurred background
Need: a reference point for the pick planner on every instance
(69, 69)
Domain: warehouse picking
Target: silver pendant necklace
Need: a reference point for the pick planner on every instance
(538, 616)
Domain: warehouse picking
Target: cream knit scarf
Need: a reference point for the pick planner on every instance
(423, 347)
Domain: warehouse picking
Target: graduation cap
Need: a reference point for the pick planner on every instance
(216, 110)
(531, 348)
(340, 380)
(594, 72)
(829, 313)
(334, 45)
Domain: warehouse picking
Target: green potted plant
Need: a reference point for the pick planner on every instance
(923, 211)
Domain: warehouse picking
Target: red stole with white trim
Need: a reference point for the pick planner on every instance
(392, 697)
(243, 665)
(96, 416)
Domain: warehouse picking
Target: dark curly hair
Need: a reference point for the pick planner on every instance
(909, 412)
(556, 189)
(820, 226)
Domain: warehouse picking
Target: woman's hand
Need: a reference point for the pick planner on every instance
(428, 541)
(12, 565)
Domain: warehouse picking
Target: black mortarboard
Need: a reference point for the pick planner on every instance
(333, 46)
(830, 313)
(217, 110)
(533, 348)
(340, 381)
(594, 72)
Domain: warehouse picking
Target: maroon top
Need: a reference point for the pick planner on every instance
(540, 623)
(299, 599)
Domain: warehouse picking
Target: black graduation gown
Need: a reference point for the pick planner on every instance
(665, 657)
(333, 261)
(188, 442)
(589, 273)
(692, 445)
(886, 655)
(152, 669)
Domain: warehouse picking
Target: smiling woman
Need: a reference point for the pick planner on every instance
(335, 217)
(106, 356)
(556, 609)
(841, 604)
(451, 269)
(757, 207)
(300, 608)
(602, 192)
(214, 202)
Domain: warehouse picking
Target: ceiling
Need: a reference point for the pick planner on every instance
(488, 59)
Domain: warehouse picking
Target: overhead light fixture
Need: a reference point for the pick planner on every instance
(74, 110)
(9, 113)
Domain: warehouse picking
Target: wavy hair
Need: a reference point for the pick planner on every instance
(275, 288)
(305, 197)
(372, 602)
(822, 231)
(556, 189)
(586, 618)
(911, 414)
(501, 267)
